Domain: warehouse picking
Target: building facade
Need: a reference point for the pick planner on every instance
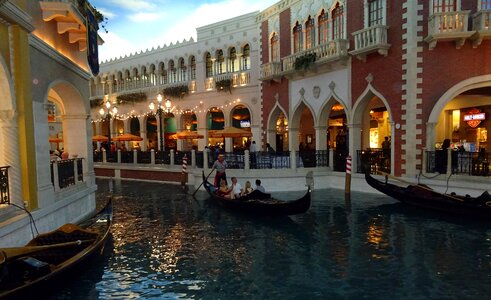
(212, 83)
(43, 107)
(416, 72)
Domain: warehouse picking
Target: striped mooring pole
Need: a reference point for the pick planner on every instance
(184, 173)
(347, 185)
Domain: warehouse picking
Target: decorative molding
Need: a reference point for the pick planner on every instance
(316, 91)
(301, 92)
(369, 78)
(332, 86)
(14, 14)
(40, 45)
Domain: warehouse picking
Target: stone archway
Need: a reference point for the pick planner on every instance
(276, 114)
(362, 122)
(301, 126)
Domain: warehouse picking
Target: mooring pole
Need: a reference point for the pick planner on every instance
(184, 174)
(347, 185)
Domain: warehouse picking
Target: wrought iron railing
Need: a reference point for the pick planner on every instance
(464, 163)
(66, 172)
(4, 185)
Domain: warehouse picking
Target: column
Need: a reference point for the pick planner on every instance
(9, 132)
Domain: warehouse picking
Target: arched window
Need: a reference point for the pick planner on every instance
(246, 57)
(275, 48)
(338, 22)
(163, 74)
(182, 70)
(375, 12)
(220, 62)
(232, 58)
(193, 67)
(153, 78)
(309, 33)
(144, 76)
(297, 38)
(440, 6)
(323, 27)
(209, 65)
(172, 71)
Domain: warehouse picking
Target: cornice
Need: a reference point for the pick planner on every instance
(39, 44)
(15, 15)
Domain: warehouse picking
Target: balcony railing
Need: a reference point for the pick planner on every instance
(482, 26)
(4, 185)
(271, 70)
(369, 40)
(336, 50)
(463, 163)
(448, 26)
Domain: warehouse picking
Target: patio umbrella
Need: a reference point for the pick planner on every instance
(55, 140)
(230, 132)
(99, 138)
(127, 137)
(186, 135)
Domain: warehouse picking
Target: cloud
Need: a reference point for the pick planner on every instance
(144, 17)
(137, 5)
(115, 46)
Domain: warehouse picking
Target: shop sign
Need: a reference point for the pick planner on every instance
(245, 124)
(474, 117)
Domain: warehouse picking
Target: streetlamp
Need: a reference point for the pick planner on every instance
(160, 110)
(109, 112)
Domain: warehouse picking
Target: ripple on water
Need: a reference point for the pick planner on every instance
(168, 245)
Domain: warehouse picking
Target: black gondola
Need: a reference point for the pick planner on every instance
(260, 203)
(49, 257)
(424, 197)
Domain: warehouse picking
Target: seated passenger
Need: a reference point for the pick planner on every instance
(236, 188)
(224, 190)
(247, 188)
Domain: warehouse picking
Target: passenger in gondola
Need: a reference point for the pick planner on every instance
(224, 190)
(247, 188)
(236, 188)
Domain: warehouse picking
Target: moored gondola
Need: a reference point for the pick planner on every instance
(424, 197)
(49, 257)
(259, 203)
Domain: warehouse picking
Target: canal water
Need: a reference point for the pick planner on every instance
(166, 244)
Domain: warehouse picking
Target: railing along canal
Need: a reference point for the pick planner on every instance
(4, 185)
(66, 172)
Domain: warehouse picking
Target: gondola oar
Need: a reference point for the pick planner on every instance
(202, 182)
(13, 252)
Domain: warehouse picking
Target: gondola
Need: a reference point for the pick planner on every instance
(259, 203)
(50, 257)
(424, 197)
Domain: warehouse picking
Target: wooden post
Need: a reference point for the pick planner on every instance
(347, 184)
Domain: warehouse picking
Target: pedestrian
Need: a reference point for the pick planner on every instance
(220, 165)
(259, 187)
(252, 153)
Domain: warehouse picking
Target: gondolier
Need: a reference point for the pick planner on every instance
(220, 166)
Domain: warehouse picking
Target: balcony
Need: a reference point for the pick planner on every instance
(325, 54)
(448, 26)
(481, 22)
(370, 40)
(69, 20)
(271, 71)
(4, 185)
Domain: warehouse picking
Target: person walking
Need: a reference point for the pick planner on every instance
(220, 165)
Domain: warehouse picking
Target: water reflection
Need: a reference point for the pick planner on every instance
(167, 244)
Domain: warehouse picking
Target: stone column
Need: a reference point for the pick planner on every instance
(9, 133)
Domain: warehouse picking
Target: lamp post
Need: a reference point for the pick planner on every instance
(108, 112)
(160, 111)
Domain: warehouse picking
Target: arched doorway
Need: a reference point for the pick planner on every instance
(190, 123)
(241, 118)
(215, 120)
(277, 134)
(333, 133)
(151, 127)
(170, 127)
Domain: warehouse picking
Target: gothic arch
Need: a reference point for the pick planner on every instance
(271, 123)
